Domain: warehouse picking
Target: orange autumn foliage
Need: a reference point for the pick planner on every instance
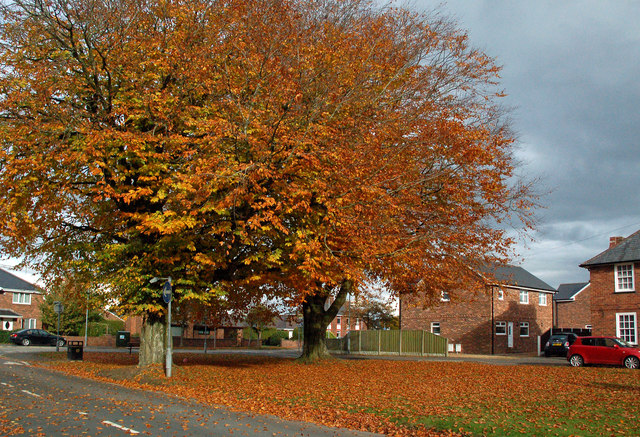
(420, 398)
(284, 149)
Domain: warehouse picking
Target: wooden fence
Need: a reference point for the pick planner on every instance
(390, 343)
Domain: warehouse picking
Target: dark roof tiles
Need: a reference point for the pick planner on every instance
(517, 276)
(625, 251)
(569, 291)
(9, 281)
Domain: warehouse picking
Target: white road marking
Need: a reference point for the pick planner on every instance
(82, 413)
(32, 394)
(16, 363)
(125, 429)
(4, 383)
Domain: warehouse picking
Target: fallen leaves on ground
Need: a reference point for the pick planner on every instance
(394, 397)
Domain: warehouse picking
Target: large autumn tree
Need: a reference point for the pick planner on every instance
(250, 149)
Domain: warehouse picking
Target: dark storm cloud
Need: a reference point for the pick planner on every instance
(572, 72)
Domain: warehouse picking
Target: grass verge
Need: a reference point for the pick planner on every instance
(393, 397)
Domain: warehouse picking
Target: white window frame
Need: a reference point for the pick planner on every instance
(21, 298)
(524, 297)
(500, 294)
(524, 325)
(502, 325)
(338, 322)
(624, 282)
(435, 325)
(444, 296)
(628, 333)
(30, 324)
(542, 299)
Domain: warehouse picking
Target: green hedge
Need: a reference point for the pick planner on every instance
(111, 327)
(4, 336)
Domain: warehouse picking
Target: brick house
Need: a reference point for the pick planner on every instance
(615, 302)
(344, 322)
(506, 315)
(19, 303)
(572, 306)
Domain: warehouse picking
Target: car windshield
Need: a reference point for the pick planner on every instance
(558, 338)
(623, 343)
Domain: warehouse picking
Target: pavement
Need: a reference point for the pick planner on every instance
(47, 403)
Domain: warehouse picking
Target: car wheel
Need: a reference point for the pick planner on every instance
(60, 343)
(576, 361)
(631, 363)
(26, 342)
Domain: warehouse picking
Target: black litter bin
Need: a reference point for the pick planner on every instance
(123, 338)
(75, 350)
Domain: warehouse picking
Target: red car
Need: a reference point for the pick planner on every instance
(603, 350)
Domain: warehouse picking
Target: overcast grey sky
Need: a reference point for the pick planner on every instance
(571, 70)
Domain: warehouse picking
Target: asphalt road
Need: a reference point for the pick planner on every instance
(35, 401)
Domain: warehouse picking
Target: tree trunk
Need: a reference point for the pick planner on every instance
(152, 341)
(316, 319)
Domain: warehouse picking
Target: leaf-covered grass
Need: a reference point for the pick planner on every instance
(396, 397)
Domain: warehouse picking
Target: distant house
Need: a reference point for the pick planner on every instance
(346, 320)
(572, 306)
(226, 333)
(508, 315)
(19, 303)
(615, 301)
(287, 322)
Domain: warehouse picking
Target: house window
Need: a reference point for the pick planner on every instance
(624, 277)
(435, 328)
(524, 297)
(626, 327)
(500, 294)
(22, 298)
(542, 299)
(445, 296)
(338, 333)
(524, 329)
(30, 324)
(501, 328)
(338, 322)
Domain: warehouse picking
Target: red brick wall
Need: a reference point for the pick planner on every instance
(575, 314)
(31, 311)
(605, 302)
(467, 320)
(102, 341)
(133, 324)
(345, 320)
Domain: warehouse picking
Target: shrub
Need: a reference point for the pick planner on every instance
(275, 339)
(4, 336)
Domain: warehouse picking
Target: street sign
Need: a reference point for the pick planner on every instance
(166, 292)
(58, 307)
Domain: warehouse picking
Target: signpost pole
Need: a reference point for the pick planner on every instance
(167, 295)
(58, 308)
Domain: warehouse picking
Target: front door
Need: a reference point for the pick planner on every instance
(510, 334)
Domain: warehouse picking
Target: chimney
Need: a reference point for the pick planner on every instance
(614, 241)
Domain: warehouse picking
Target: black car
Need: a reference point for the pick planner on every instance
(26, 337)
(558, 344)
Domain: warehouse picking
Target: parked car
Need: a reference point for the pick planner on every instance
(27, 337)
(558, 344)
(603, 350)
